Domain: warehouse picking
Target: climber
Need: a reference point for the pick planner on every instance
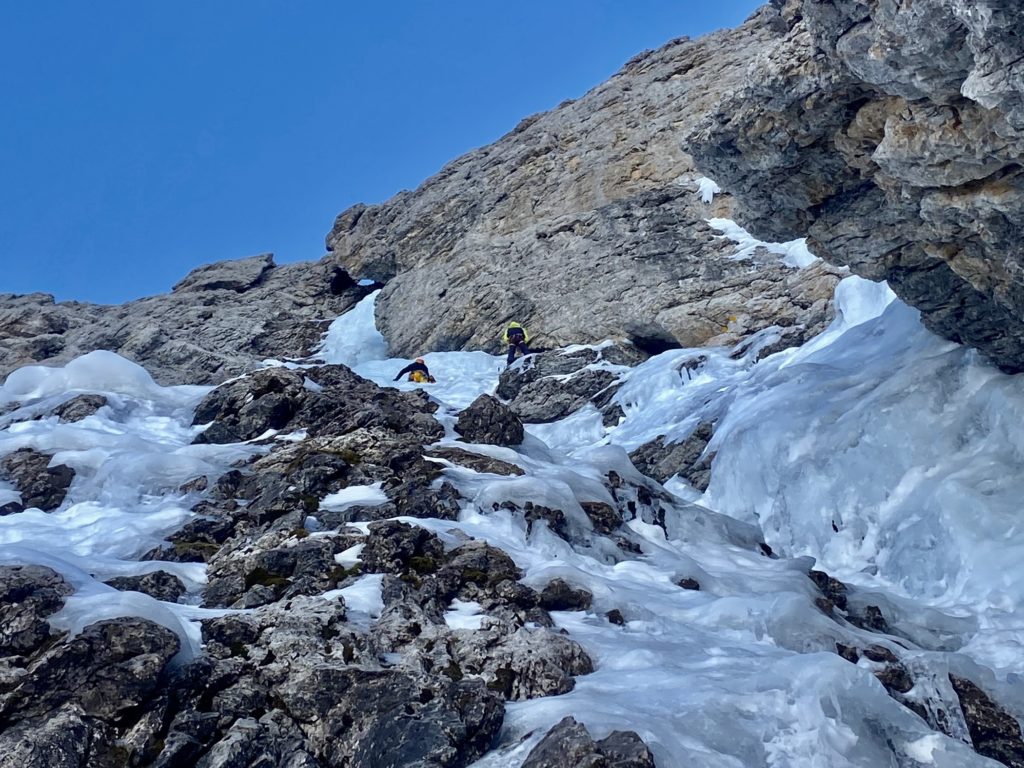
(418, 372)
(516, 338)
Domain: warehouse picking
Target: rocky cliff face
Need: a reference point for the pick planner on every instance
(582, 223)
(891, 134)
(217, 322)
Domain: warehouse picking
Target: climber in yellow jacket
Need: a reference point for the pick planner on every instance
(516, 337)
(418, 372)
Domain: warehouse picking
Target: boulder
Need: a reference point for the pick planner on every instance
(560, 596)
(159, 584)
(39, 484)
(551, 386)
(994, 732)
(569, 745)
(239, 275)
(107, 670)
(62, 739)
(329, 400)
(486, 420)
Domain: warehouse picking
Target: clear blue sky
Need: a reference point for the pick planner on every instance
(140, 139)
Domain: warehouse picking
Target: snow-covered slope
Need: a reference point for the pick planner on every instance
(907, 444)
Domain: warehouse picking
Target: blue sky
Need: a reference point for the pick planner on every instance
(141, 139)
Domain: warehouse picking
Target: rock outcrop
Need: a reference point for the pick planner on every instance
(890, 134)
(569, 745)
(39, 484)
(550, 386)
(65, 701)
(488, 421)
(218, 322)
(686, 458)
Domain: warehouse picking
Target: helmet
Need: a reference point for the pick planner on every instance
(419, 359)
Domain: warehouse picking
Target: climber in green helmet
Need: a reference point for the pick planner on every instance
(516, 338)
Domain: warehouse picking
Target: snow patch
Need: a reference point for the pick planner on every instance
(794, 253)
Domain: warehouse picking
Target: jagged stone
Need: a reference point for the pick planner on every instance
(477, 566)
(895, 678)
(158, 584)
(28, 595)
(220, 321)
(604, 517)
(569, 745)
(548, 387)
(109, 669)
(848, 652)
(488, 421)
(295, 679)
(341, 402)
(279, 564)
(62, 739)
(685, 458)
(558, 595)
(879, 653)
(394, 547)
(833, 589)
(39, 484)
(368, 717)
(475, 461)
(239, 275)
(520, 663)
(79, 407)
(994, 732)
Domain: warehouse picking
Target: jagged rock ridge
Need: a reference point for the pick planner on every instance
(218, 322)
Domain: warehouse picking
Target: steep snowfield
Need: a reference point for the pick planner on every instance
(909, 444)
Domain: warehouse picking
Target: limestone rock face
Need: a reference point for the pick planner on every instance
(219, 321)
(890, 134)
(583, 223)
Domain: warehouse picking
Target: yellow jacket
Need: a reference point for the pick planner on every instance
(504, 336)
